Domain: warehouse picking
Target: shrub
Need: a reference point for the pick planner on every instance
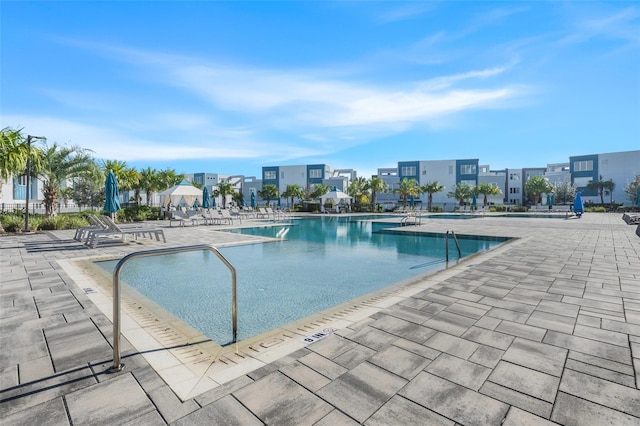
(599, 209)
(12, 223)
(436, 209)
(519, 209)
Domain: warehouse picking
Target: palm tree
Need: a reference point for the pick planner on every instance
(599, 185)
(610, 185)
(293, 191)
(268, 191)
(376, 186)
(431, 188)
(168, 178)
(487, 189)
(461, 192)
(150, 182)
(224, 189)
(407, 188)
(58, 164)
(318, 191)
(13, 156)
(536, 186)
(359, 190)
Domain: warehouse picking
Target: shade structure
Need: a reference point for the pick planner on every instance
(336, 195)
(578, 207)
(206, 203)
(253, 200)
(112, 196)
(182, 194)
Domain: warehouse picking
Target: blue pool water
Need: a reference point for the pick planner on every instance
(322, 262)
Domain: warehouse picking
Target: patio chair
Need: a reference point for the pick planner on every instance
(225, 216)
(181, 217)
(96, 225)
(116, 231)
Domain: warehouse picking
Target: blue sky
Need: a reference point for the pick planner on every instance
(229, 87)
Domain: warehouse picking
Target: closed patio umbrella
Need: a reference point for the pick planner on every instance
(205, 198)
(112, 199)
(474, 200)
(578, 207)
(253, 200)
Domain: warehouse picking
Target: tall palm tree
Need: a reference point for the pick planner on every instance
(359, 190)
(461, 192)
(13, 155)
(169, 177)
(376, 186)
(293, 191)
(268, 191)
(407, 188)
(599, 185)
(487, 189)
(430, 188)
(224, 189)
(536, 186)
(57, 165)
(150, 182)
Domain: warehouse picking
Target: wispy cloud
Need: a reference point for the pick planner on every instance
(406, 11)
(621, 25)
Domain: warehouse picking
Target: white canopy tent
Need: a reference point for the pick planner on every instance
(182, 194)
(335, 195)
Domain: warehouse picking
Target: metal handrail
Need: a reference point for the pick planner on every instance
(117, 365)
(450, 231)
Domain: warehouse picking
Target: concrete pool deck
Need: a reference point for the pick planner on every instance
(543, 329)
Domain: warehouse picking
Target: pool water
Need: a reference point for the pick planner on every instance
(315, 264)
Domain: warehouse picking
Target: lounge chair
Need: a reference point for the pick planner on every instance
(116, 231)
(181, 217)
(631, 219)
(96, 225)
(225, 216)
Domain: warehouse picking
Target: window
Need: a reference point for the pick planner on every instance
(468, 169)
(269, 174)
(469, 182)
(583, 166)
(424, 171)
(315, 173)
(514, 176)
(581, 182)
(515, 190)
(409, 171)
(281, 175)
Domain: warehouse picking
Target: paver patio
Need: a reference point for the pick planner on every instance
(542, 330)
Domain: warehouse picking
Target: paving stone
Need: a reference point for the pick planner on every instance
(518, 417)
(400, 411)
(551, 321)
(113, 401)
(35, 369)
(66, 346)
(452, 345)
(373, 338)
(414, 315)
(488, 322)
(453, 401)
(517, 399)
(225, 411)
(399, 361)
(506, 314)
(558, 308)
(332, 346)
(507, 304)
(521, 330)
(336, 418)
(607, 336)
(34, 393)
(450, 323)
(362, 391)
(488, 337)
(50, 413)
(305, 376)
(456, 370)
(151, 418)
(423, 351)
(603, 363)
(467, 310)
(323, 366)
(589, 321)
(402, 328)
(603, 392)
(569, 409)
(537, 356)
(354, 356)
(525, 380)
(491, 291)
(603, 373)
(215, 394)
(169, 405)
(621, 327)
(487, 356)
(588, 346)
(614, 307)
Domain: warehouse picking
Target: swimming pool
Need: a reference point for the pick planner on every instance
(315, 264)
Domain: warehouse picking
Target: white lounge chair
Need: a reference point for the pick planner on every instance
(96, 225)
(115, 231)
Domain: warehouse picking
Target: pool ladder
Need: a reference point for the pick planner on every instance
(117, 365)
(455, 239)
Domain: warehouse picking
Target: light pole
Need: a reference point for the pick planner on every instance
(26, 209)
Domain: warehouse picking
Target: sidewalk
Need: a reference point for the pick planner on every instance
(543, 329)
